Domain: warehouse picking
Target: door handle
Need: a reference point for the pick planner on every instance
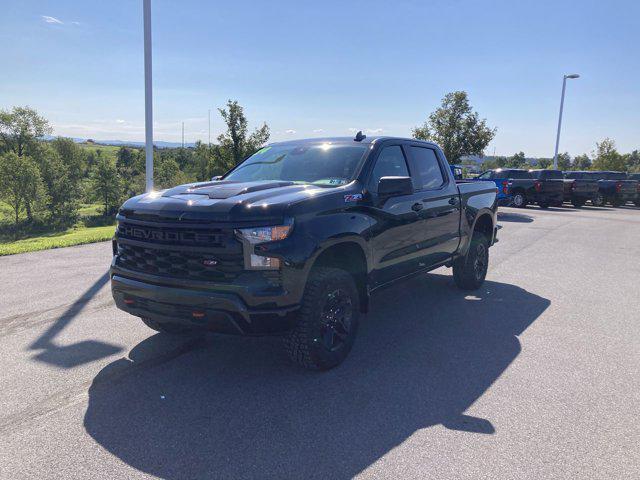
(416, 207)
(453, 201)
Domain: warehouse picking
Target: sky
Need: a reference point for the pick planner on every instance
(329, 68)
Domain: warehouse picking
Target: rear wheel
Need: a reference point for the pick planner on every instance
(519, 200)
(544, 205)
(577, 203)
(470, 271)
(327, 320)
(170, 328)
(598, 200)
(616, 202)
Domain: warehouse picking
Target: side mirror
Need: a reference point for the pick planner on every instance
(216, 178)
(395, 186)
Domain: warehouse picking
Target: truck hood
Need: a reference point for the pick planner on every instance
(222, 201)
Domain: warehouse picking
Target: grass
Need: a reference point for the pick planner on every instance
(72, 236)
(92, 227)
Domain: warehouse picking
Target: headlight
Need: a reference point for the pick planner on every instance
(256, 235)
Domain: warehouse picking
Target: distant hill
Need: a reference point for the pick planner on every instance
(125, 143)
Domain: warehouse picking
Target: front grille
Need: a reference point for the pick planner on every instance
(190, 253)
(179, 264)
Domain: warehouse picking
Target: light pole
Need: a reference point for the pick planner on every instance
(564, 85)
(148, 97)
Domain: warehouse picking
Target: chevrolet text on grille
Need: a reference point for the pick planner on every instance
(166, 235)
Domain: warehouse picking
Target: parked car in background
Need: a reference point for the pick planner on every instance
(457, 171)
(501, 177)
(543, 187)
(636, 177)
(615, 188)
(580, 187)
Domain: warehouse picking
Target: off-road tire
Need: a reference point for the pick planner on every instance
(305, 344)
(465, 270)
(169, 328)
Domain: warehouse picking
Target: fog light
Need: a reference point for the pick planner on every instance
(264, 262)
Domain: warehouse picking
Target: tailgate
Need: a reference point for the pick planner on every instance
(585, 186)
(552, 186)
(628, 186)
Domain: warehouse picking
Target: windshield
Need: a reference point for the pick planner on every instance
(323, 164)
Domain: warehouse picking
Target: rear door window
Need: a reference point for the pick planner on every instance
(517, 174)
(429, 175)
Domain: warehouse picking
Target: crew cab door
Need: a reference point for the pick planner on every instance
(396, 233)
(439, 223)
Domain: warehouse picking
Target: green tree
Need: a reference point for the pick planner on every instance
(202, 167)
(167, 173)
(456, 128)
(564, 161)
(607, 157)
(63, 188)
(581, 162)
(236, 143)
(632, 161)
(545, 163)
(19, 129)
(72, 156)
(106, 185)
(517, 160)
(21, 182)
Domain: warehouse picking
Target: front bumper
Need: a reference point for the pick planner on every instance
(216, 311)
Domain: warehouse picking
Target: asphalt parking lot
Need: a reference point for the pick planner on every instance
(536, 375)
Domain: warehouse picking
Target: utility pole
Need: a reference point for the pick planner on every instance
(564, 86)
(148, 96)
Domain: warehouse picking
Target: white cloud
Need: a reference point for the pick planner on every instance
(290, 131)
(120, 121)
(353, 129)
(49, 19)
(318, 130)
(374, 130)
(75, 23)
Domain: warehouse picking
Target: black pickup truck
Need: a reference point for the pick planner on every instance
(636, 177)
(615, 188)
(544, 187)
(580, 187)
(295, 239)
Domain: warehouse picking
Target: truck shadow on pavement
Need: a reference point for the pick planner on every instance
(235, 407)
(70, 356)
(514, 217)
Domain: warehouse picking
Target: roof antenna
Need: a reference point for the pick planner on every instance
(360, 136)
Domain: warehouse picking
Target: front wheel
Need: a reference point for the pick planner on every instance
(470, 271)
(327, 320)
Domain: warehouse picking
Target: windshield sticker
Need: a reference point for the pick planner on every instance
(353, 197)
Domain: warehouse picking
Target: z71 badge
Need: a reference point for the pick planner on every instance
(353, 197)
